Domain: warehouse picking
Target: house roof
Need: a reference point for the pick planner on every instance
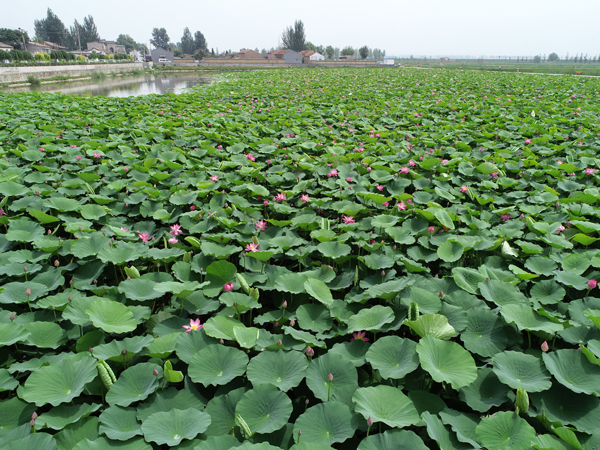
(3, 45)
(307, 52)
(281, 52)
(247, 50)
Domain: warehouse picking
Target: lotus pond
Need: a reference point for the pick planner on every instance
(303, 259)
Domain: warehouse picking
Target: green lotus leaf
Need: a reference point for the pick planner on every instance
(12, 189)
(111, 316)
(440, 433)
(11, 333)
(343, 384)
(283, 369)
(572, 369)
(121, 253)
(333, 249)
(462, 424)
(393, 356)
(217, 364)
(134, 384)
(188, 344)
(378, 261)
(527, 319)
(547, 292)
(506, 430)
(314, 317)
(501, 293)
(484, 333)
(318, 290)
(60, 382)
(63, 415)
(16, 292)
(7, 383)
(172, 427)
(221, 327)
(39, 441)
(468, 279)
(370, 319)
(246, 336)
(222, 412)
(384, 221)
(326, 423)
(218, 273)
(119, 423)
(519, 370)
(62, 204)
(354, 351)
(139, 289)
(168, 399)
(219, 251)
(435, 325)
(162, 346)
(385, 404)
(450, 251)
(223, 442)
(392, 440)
(24, 230)
(264, 409)
(446, 361)
(45, 335)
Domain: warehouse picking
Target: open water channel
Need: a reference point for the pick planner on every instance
(125, 86)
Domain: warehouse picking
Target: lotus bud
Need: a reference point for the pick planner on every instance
(284, 304)
(545, 347)
(28, 292)
(70, 298)
(413, 311)
(309, 351)
(592, 284)
(292, 322)
(228, 287)
(276, 324)
(56, 263)
(279, 342)
(299, 433)
(441, 294)
(221, 341)
(330, 377)
(187, 257)
(34, 415)
(124, 352)
(12, 316)
(383, 273)
(369, 422)
(522, 401)
(91, 350)
(24, 269)
(155, 372)
(307, 401)
(32, 423)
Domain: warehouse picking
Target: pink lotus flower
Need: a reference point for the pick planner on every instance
(430, 229)
(404, 170)
(228, 287)
(561, 228)
(444, 161)
(411, 163)
(280, 197)
(386, 204)
(252, 247)
(251, 157)
(401, 206)
(175, 229)
(261, 225)
(194, 325)
(73, 146)
(527, 141)
(126, 169)
(173, 240)
(380, 187)
(348, 219)
(305, 198)
(360, 336)
(97, 155)
(463, 188)
(505, 217)
(349, 179)
(590, 171)
(78, 158)
(592, 284)
(144, 236)
(494, 174)
(214, 178)
(2, 212)
(334, 172)
(545, 347)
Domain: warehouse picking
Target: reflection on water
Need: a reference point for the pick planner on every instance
(125, 86)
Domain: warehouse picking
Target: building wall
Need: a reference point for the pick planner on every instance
(18, 74)
(292, 57)
(251, 54)
(317, 57)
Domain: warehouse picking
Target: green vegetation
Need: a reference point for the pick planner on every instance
(98, 75)
(291, 259)
(32, 79)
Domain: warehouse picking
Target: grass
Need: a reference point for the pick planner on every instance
(33, 80)
(98, 75)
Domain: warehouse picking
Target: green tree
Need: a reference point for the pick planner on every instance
(52, 29)
(347, 51)
(553, 57)
(200, 41)
(364, 52)
(187, 42)
(310, 46)
(128, 42)
(160, 38)
(13, 37)
(294, 38)
(537, 59)
(329, 52)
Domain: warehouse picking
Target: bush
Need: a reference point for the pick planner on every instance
(33, 80)
(81, 58)
(42, 57)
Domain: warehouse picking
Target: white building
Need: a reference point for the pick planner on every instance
(309, 55)
(388, 61)
(137, 55)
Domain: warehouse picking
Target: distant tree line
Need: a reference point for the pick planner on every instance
(188, 45)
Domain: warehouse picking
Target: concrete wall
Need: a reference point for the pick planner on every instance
(18, 74)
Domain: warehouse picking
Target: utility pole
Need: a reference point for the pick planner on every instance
(79, 40)
(23, 37)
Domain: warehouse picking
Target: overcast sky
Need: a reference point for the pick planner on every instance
(401, 27)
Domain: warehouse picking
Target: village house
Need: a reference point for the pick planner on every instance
(162, 56)
(248, 54)
(309, 55)
(287, 55)
(5, 47)
(43, 47)
(108, 47)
